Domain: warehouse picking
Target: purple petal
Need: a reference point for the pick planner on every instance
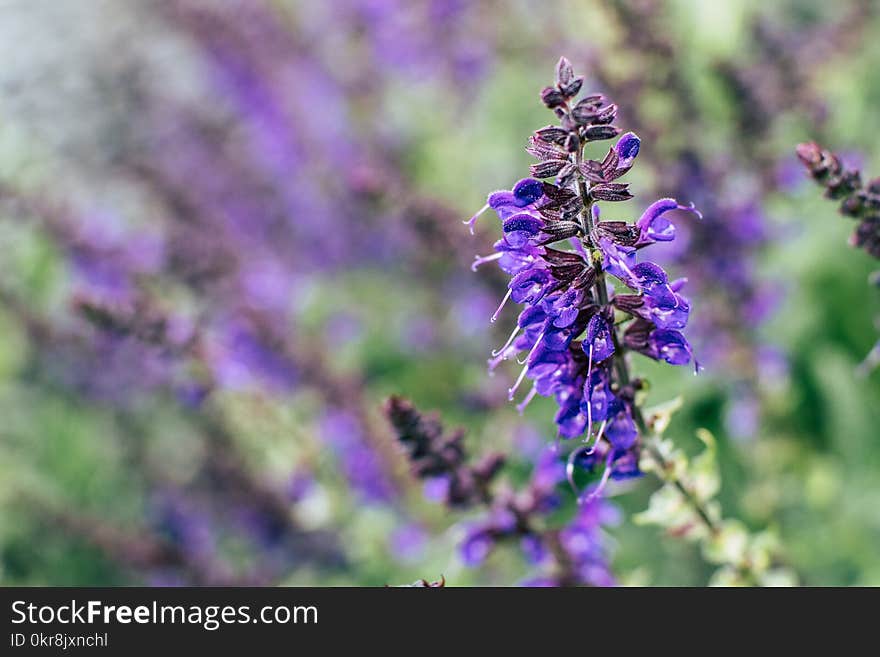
(627, 148)
(671, 346)
(528, 191)
(618, 261)
(621, 430)
(599, 338)
(654, 227)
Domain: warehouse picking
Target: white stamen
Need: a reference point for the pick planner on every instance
(511, 392)
(508, 343)
(599, 436)
(605, 475)
(525, 402)
(470, 222)
(503, 301)
(479, 260)
(532, 350)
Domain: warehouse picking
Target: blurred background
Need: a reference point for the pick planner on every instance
(230, 229)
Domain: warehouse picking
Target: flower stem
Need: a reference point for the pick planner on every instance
(622, 369)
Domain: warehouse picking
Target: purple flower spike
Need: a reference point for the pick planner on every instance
(568, 337)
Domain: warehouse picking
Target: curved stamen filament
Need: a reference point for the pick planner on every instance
(532, 350)
(500, 307)
(525, 402)
(510, 340)
(473, 220)
(602, 483)
(512, 391)
(599, 435)
(481, 260)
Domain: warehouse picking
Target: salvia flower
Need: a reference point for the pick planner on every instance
(571, 555)
(559, 253)
(857, 200)
(440, 458)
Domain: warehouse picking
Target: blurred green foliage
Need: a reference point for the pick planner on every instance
(811, 474)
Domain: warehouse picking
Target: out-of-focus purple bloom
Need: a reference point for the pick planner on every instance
(476, 546)
(360, 462)
(408, 542)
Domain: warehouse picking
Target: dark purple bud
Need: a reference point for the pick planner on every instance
(568, 122)
(610, 162)
(552, 97)
(571, 90)
(636, 335)
(544, 151)
(587, 109)
(611, 192)
(557, 257)
(564, 72)
(628, 303)
(565, 174)
(620, 232)
(489, 466)
(606, 114)
(548, 169)
(561, 230)
(552, 134)
(600, 132)
(819, 162)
